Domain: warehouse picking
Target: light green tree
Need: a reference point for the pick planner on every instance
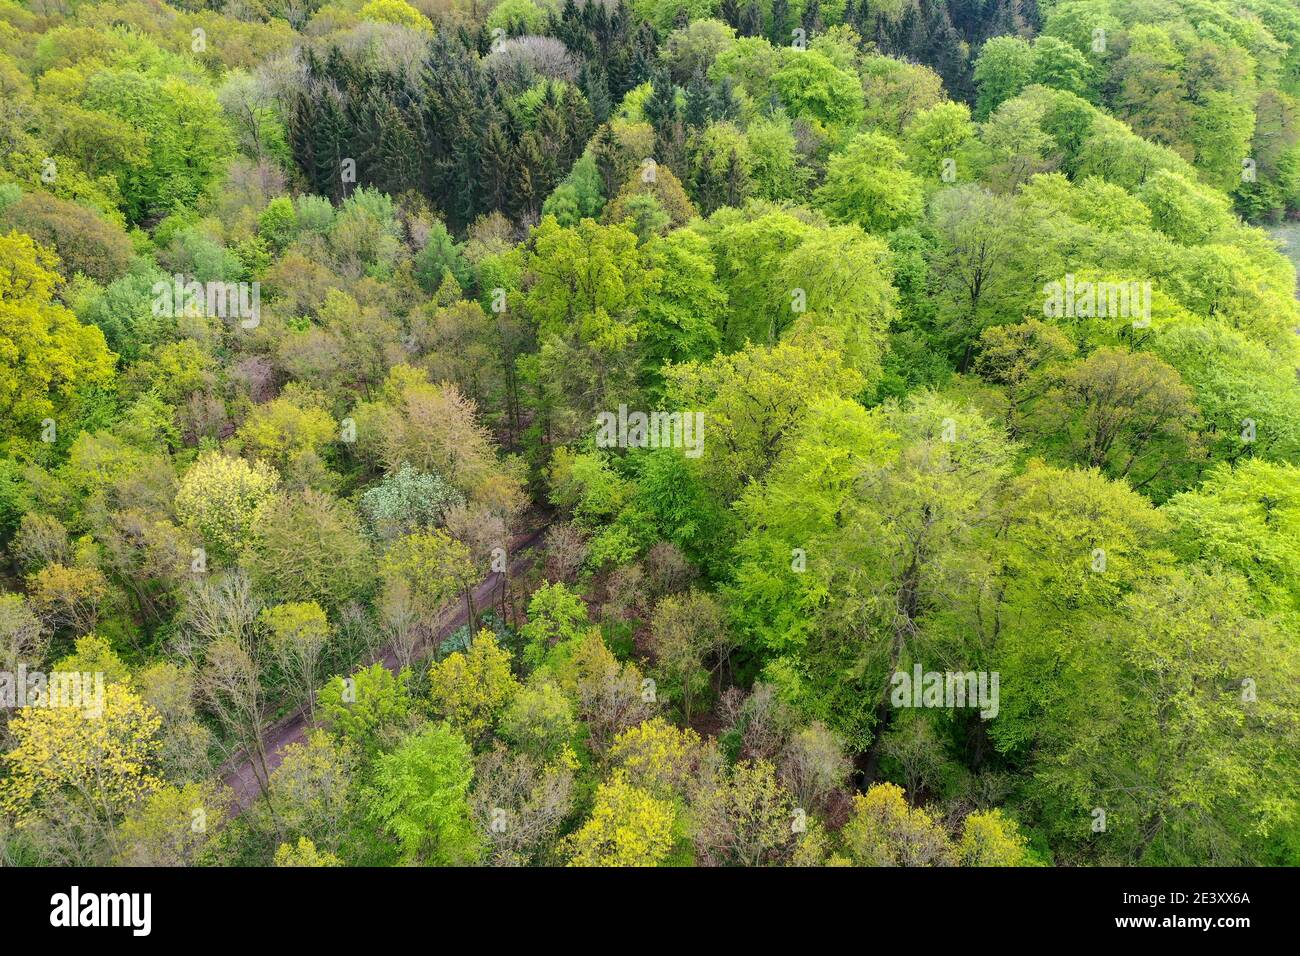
(868, 183)
(420, 796)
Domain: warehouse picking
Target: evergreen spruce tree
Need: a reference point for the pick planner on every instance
(778, 31)
(853, 16)
(594, 86)
(397, 166)
(661, 105)
(464, 180)
(725, 105)
(736, 184)
(698, 105)
(645, 53)
(900, 33)
(707, 190)
(916, 41)
(608, 154)
(883, 34)
(525, 196)
(495, 162)
(946, 53)
(811, 21)
(579, 124)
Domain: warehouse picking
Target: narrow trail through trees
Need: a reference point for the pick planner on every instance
(240, 773)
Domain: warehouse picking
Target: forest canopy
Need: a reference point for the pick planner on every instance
(649, 433)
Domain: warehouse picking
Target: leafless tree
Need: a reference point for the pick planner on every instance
(524, 58)
(519, 804)
(566, 549)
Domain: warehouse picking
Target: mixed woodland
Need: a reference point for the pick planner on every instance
(826, 227)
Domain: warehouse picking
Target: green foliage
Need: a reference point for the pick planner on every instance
(395, 11)
(555, 616)
(627, 827)
(813, 87)
(1244, 517)
(304, 853)
(752, 399)
(539, 719)
(470, 689)
(218, 498)
(1005, 67)
(369, 708)
(186, 137)
(838, 236)
(51, 361)
(885, 831)
(340, 567)
(420, 796)
(867, 184)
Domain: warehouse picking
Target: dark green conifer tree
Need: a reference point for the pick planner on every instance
(778, 30)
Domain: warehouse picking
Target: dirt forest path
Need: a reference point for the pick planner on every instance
(239, 773)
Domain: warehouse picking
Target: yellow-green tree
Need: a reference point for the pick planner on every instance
(991, 839)
(337, 568)
(471, 688)
(744, 817)
(539, 719)
(297, 636)
(47, 358)
(431, 568)
(173, 826)
(218, 497)
(396, 11)
(610, 697)
(93, 654)
(627, 827)
(369, 709)
(885, 831)
(867, 183)
(67, 597)
(291, 435)
(304, 853)
(656, 756)
(421, 797)
(311, 792)
(99, 760)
